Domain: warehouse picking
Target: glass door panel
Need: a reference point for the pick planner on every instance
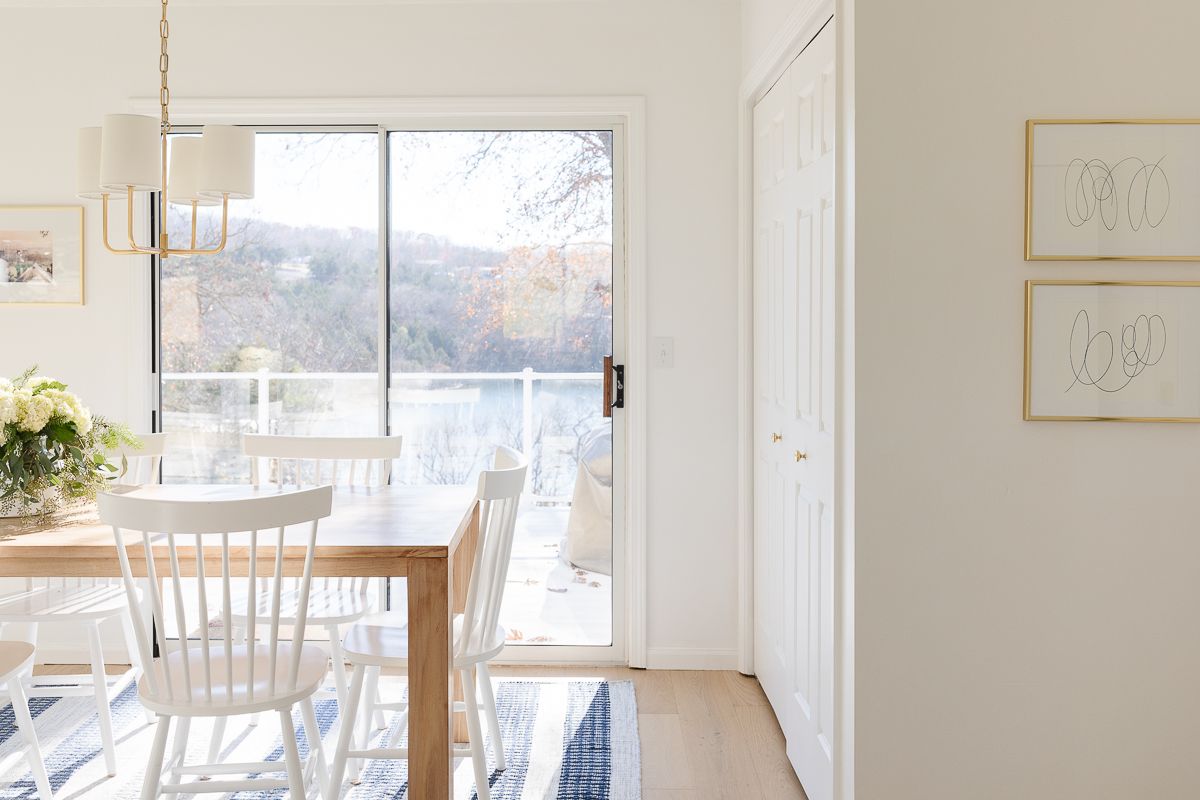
(279, 332)
(501, 296)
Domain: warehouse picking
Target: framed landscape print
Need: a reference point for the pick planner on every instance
(1099, 350)
(1112, 189)
(41, 255)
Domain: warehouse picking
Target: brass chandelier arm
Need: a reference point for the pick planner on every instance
(136, 249)
(129, 224)
(202, 251)
(165, 250)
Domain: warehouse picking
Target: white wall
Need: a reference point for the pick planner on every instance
(1028, 594)
(761, 21)
(63, 68)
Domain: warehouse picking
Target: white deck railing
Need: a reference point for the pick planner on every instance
(402, 391)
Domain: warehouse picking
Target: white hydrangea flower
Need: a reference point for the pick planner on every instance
(8, 406)
(69, 408)
(33, 411)
(5, 385)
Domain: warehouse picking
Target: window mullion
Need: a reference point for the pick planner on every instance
(385, 349)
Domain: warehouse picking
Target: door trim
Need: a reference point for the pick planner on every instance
(432, 112)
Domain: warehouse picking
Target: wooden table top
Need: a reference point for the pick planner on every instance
(387, 522)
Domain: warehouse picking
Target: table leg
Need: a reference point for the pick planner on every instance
(430, 766)
(463, 561)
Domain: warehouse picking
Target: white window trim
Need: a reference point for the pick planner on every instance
(494, 112)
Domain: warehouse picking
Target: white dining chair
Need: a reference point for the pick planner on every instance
(381, 640)
(142, 462)
(226, 677)
(353, 462)
(16, 663)
(87, 603)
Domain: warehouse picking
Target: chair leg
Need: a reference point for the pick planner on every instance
(362, 720)
(370, 709)
(380, 718)
(183, 727)
(216, 739)
(475, 731)
(135, 657)
(291, 755)
(154, 766)
(20, 704)
(316, 748)
(100, 683)
(346, 732)
(489, 708)
(338, 660)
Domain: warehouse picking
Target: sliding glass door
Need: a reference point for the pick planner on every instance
(480, 317)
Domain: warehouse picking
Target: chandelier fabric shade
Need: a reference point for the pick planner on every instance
(183, 182)
(228, 163)
(128, 154)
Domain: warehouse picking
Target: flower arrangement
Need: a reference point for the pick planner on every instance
(52, 450)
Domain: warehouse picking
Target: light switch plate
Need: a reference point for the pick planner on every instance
(664, 352)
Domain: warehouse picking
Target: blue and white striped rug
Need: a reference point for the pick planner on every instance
(564, 740)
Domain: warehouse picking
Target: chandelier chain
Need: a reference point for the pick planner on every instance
(164, 60)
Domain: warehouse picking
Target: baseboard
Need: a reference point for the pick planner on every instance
(691, 658)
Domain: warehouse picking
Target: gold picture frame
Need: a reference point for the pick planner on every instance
(1190, 322)
(57, 270)
(1150, 176)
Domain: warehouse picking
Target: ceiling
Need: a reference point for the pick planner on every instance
(217, 3)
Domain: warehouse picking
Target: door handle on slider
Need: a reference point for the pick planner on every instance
(801, 456)
(776, 437)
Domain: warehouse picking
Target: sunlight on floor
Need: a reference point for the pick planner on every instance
(548, 601)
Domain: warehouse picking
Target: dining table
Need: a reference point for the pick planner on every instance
(425, 534)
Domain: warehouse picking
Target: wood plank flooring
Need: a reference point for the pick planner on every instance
(705, 735)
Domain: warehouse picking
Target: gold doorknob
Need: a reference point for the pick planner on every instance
(775, 437)
(801, 456)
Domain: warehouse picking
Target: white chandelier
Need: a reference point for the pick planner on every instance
(128, 154)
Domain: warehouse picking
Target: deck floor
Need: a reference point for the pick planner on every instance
(548, 601)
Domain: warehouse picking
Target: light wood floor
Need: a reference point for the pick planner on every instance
(705, 735)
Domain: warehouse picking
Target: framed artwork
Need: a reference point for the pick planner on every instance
(1112, 189)
(41, 255)
(1121, 351)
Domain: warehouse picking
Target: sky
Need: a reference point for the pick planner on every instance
(332, 180)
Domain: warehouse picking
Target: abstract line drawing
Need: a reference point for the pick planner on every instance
(1092, 188)
(1093, 355)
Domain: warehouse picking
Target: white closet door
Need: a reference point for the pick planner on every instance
(794, 385)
